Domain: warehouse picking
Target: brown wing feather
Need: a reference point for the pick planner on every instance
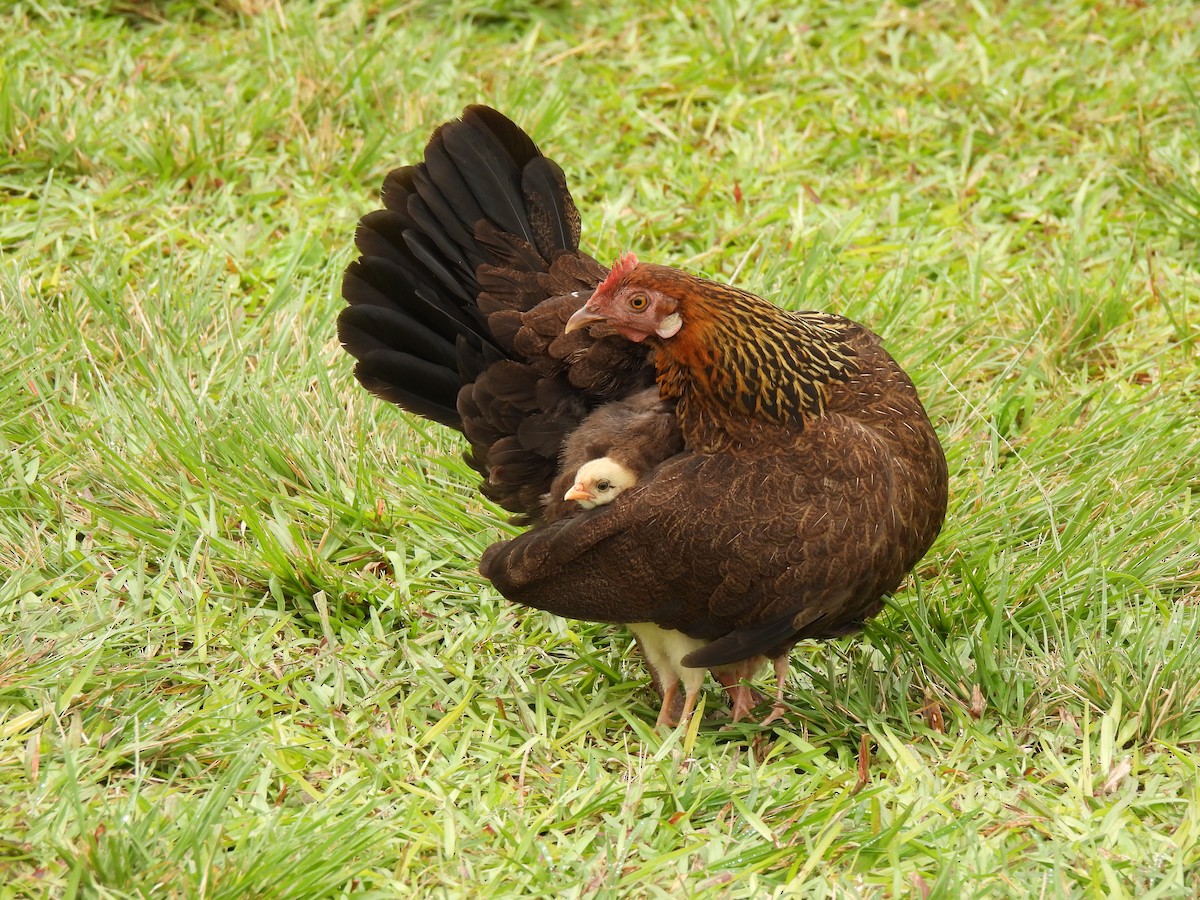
(810, 557)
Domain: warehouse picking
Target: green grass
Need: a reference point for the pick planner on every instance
(244, 650)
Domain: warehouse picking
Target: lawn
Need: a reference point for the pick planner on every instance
(244, 649)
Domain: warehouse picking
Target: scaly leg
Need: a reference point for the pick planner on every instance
(781, 673)
(693, 680)
(743, 697)
(667, 714)
(664, 650)
(689, 702)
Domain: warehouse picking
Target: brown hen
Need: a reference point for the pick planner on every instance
(810, 480)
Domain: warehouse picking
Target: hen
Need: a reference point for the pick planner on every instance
(809, 480)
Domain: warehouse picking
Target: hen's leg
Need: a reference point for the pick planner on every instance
(781, 672)
(743, 697)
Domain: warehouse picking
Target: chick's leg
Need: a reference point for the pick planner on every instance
(664, 649)
(669, 713)
(693, 679)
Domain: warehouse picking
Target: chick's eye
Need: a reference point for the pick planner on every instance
(602, 485)
(638, 302)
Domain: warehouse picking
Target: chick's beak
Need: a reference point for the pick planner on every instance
(583, 316)
(578, 491)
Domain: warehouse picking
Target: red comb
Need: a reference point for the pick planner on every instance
(621, 268)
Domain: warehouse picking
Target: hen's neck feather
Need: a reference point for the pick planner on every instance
(740, 362)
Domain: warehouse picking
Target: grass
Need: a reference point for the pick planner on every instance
(243, 647)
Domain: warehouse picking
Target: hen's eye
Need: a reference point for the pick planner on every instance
(602, 486)
(638, 302)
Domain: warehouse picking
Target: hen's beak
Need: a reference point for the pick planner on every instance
(583, 316)
(578, 491)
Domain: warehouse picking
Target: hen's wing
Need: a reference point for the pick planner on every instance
(685, 550)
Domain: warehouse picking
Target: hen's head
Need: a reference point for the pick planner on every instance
(634, 302)
(599, 481)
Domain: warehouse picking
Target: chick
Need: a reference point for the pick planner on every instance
(619, 443)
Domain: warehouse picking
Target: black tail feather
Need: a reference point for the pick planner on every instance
(425, 252)
(372, 328)
(441, 179)
(517, 144)
(386, 374)
(555, 223)
(380, 235)
(492, 177)
(378, 282)
(433, 217)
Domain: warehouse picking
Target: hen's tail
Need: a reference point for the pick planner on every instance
(459, 300)
(484, 206)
